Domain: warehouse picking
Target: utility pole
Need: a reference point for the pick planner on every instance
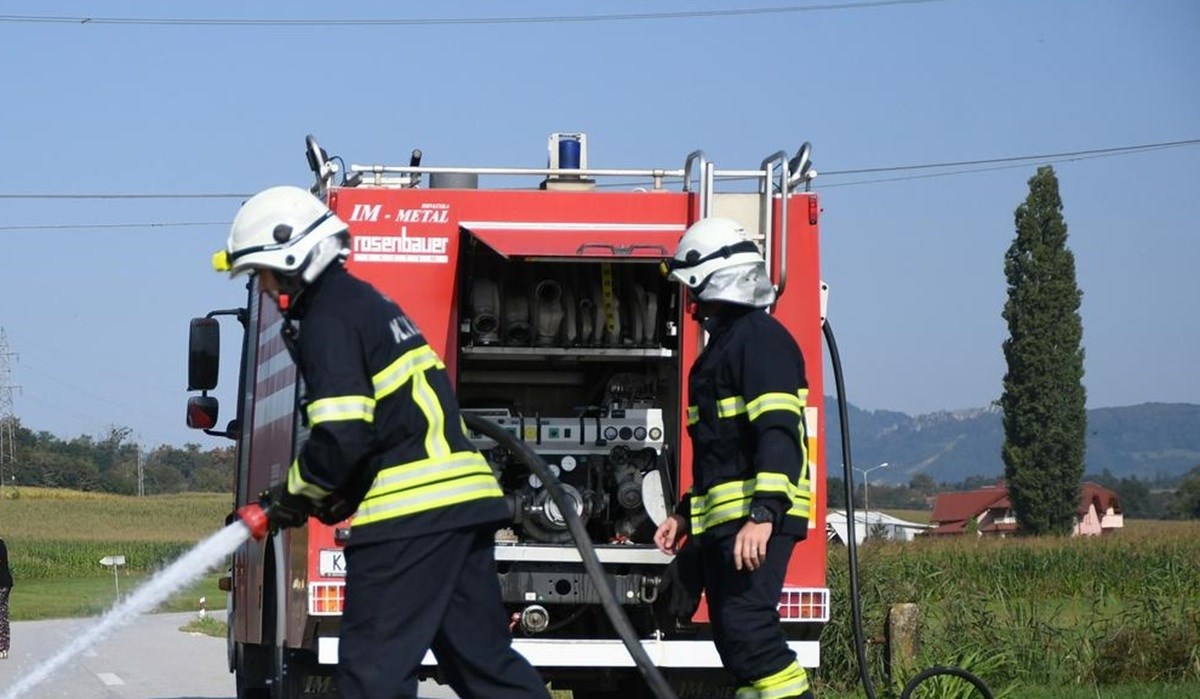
(140, 467)
(867, 491)
(8, 447)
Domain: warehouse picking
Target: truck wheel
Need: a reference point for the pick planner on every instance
(299, 676)
(250, 671)
(627, 688)
(703, 689)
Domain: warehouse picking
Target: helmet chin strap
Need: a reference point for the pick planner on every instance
(327, 252)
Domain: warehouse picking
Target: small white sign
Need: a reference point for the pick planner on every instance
(333, 563)
(112, 561)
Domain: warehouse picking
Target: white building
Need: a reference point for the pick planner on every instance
(894, 528)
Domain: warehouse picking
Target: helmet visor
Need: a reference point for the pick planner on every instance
(670, 266)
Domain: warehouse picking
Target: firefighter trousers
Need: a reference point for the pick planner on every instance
(743, 607)
(438, 592)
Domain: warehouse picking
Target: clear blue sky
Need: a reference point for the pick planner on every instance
(99, 317)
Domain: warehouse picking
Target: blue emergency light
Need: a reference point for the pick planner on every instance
(568, 153)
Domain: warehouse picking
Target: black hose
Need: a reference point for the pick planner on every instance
(945, 670)
(587, 552)
(851, 540)
(852, 548)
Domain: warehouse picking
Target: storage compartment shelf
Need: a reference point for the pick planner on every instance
(577, 353)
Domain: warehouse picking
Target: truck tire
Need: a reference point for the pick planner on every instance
(628, 687)
(292, 673)
(250, 671)
(687, 685)
(701, 690)
(299, 676)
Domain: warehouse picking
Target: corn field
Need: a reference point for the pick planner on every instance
(1031, 612)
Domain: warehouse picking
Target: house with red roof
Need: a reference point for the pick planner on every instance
(988, 511)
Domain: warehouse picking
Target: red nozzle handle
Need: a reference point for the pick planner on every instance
(255, 519)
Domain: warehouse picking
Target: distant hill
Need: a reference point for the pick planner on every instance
(1147, 441)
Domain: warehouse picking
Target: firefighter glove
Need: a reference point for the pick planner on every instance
(285, 510)
(343, 501)
(333, 509)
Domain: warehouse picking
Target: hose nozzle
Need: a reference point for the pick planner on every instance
(254, 516)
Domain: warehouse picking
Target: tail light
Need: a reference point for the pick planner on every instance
(326, 599)
(804, 604)
(813, 211)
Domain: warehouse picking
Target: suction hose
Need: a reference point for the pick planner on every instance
(587, 552)
(852, 549)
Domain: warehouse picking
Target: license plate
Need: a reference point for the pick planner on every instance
(333, 563)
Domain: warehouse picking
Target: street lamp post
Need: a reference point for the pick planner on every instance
(867, 492)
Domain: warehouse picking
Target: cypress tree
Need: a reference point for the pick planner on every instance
(1045, 418)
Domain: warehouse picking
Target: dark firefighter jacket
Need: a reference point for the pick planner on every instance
(384, 422)
(746, 399)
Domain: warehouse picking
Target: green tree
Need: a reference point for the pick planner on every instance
(1186, 503)
(923, 483)
(1045, 419)
(835, 493)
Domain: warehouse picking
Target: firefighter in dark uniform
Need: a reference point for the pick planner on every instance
(750, 497)
(386, 443)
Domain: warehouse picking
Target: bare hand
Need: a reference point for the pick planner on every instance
(669, 534)
(750, 546)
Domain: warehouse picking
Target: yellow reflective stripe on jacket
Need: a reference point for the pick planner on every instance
(774, 401)
(431, 497)
(722, 503)
(400, 371)
(801, 501)
(418, 473)
(731, 407)
(341, 408)
(693, 414)
(768, 482)
(428, 484)
(726, 502)
(435, 435)
(737, 405)
(296, 484)
(802, 495)
(792, 681)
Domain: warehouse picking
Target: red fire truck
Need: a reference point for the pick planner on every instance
(543, 295)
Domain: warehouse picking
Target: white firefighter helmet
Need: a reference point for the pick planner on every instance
(718, 262)
(287, 230)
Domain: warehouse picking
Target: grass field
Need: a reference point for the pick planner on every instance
(56, 539)
(1146, 691)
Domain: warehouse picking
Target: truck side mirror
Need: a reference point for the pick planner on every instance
(204, 356)
(202, 412)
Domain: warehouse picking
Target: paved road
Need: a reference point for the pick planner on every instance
(148, 659)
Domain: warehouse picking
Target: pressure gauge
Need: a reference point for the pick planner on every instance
(568, 463)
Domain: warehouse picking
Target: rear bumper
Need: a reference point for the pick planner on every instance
(548, 652)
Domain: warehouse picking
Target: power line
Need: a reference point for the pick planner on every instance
(435, 21)
(1116, 150)
(83, 226)
(1021, 160)
(123, 196)
(993, 168)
